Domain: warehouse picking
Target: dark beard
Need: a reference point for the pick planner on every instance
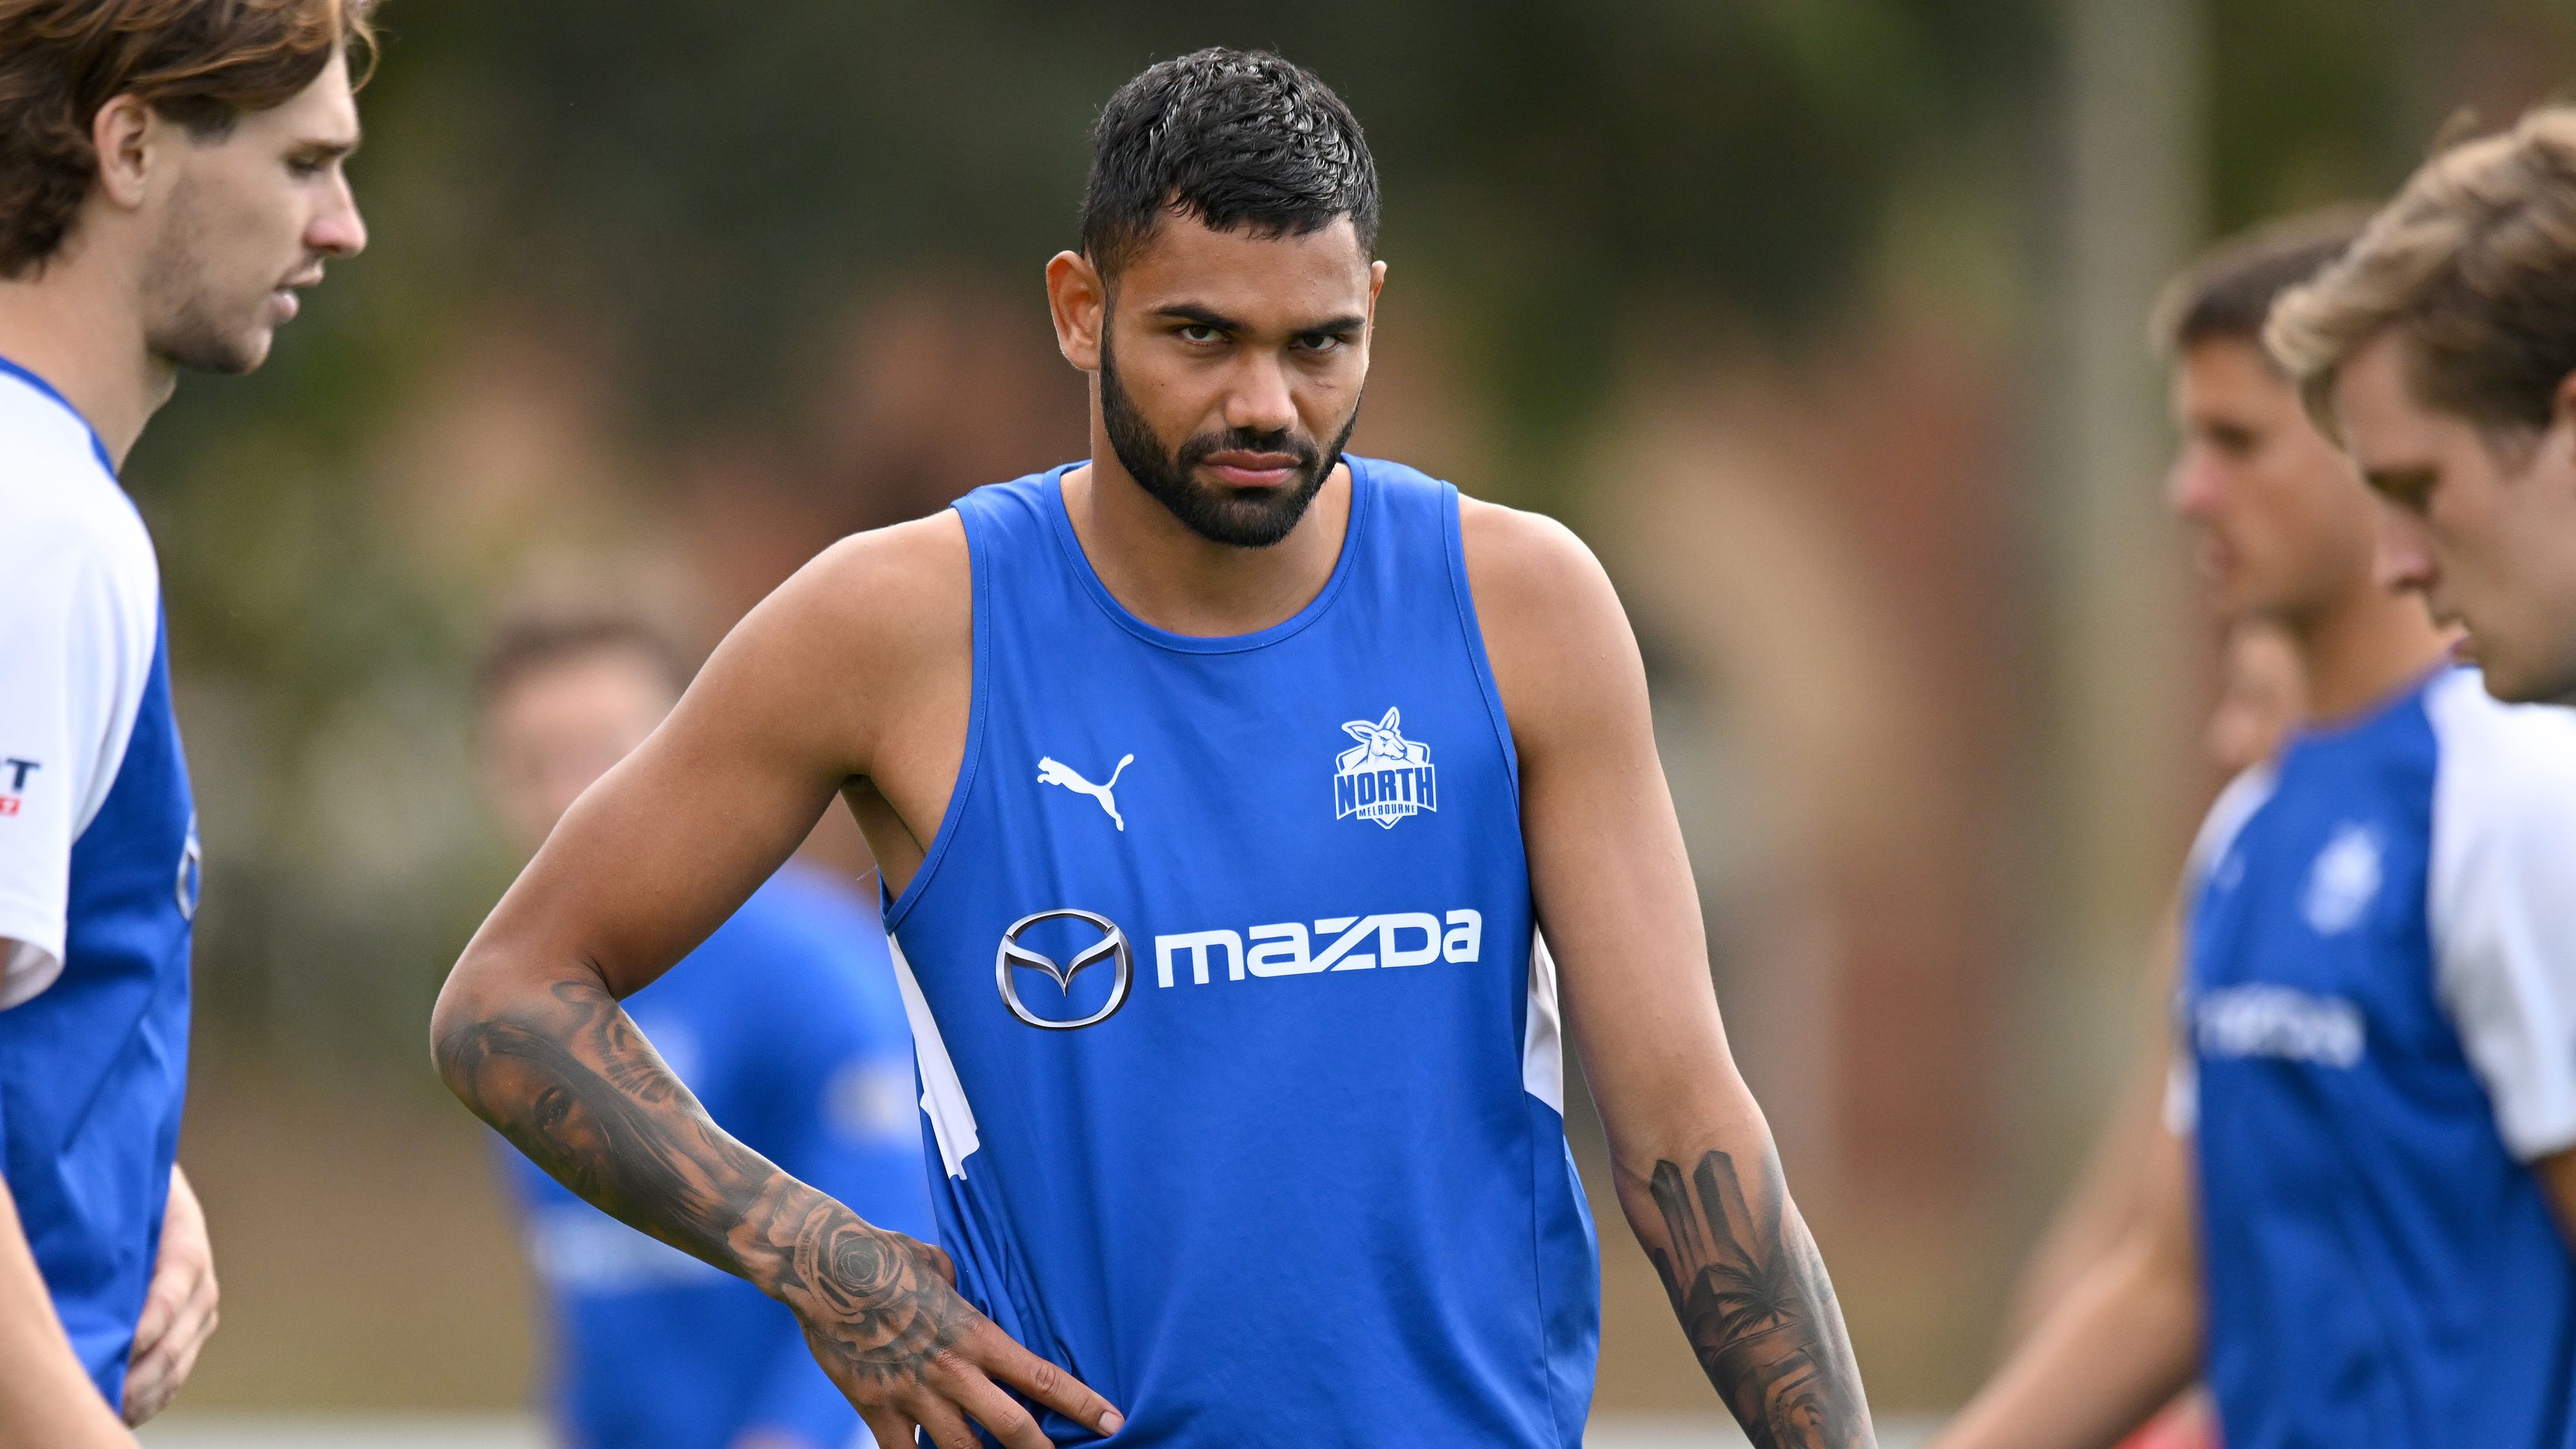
(1237, 517)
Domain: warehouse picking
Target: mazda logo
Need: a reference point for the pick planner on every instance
(1112, 946)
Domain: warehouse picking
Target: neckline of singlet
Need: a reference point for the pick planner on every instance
(1363, 504)
(54, 395)
(2312, 733)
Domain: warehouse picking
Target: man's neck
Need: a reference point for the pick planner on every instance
(1172, 578)
(85, 340)
(2364, 650)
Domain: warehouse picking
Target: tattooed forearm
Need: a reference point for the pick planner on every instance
(1750, 1289)
(573, 1085)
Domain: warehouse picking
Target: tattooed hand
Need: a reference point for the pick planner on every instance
(1751, 1292)
(566, 1077)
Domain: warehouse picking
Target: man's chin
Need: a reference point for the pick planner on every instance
(2531, 684)
(1246, 524)
(244, 356)
(221, 356)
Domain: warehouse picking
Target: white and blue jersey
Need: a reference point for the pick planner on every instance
(1242, 1075)
(98, 876)
(787, 1026)
(2377, 1035)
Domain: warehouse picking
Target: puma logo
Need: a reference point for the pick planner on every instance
(1052, 771)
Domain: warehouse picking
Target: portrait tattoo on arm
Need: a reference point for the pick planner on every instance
(1751, 1292)
(573, 1084)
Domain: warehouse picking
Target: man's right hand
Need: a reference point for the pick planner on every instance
(883, 1318)
(658, 854)
(562, 1072)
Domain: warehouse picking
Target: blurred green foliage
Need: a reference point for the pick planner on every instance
(1570, 178)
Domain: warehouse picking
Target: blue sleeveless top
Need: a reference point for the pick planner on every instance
(2374, 1043)
(94, 1071)
(94, 1065)
(1220, 969)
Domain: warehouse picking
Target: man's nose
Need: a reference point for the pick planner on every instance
(1260, 402)
(339, 231)
(2403, 559)
(2192, 486)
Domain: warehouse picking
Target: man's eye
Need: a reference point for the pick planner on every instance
(1318, 342)
(1200, 332)
(2410, 493)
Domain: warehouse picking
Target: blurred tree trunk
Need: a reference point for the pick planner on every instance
(2128, 167)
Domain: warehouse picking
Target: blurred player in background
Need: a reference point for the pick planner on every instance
(2261, 698)
(2374, 1078)
(170, 177)
(1224, 778)
(786, 1027)
(2441, 351)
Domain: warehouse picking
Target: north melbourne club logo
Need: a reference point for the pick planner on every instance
(1385, 777)
(2344, 880)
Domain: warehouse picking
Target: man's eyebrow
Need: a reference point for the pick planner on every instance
(331, 150)
(2406, 478)
(1203, 315)
(1206, 316)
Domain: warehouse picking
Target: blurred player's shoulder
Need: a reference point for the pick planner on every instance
(2532, 741)
(63, 519)
(2228, 814)
(2506, 778)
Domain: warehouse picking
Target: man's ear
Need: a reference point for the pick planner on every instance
(122, 135)
(2562, 408)
(1078, 301)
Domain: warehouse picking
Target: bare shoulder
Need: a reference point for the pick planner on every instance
(843, 644)
(1518, 551)
(886, 588)
(1554, 631)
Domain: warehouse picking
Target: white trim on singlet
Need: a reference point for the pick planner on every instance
(2234, 806)
(943, 1097)
(1542, 1041)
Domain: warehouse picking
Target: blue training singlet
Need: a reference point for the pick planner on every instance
(2379, 1034)
(1221, 979)
(98, 877)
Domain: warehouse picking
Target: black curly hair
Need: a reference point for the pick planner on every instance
(1233, 138)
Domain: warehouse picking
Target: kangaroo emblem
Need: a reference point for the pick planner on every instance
(1385, 777)
(1052, 771)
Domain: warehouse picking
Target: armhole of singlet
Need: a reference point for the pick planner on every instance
(1475, 633)
(977, 580)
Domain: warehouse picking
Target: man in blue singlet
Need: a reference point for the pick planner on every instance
(785, 1024)
(1224, 784)
(2374, 1085)
(170, 176)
